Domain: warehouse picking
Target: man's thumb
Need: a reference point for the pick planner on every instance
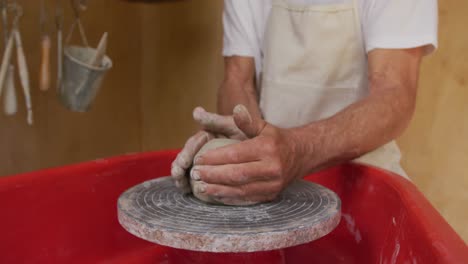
(250, 125)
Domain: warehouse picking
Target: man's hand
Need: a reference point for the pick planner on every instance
(255, 170)
(213, 125)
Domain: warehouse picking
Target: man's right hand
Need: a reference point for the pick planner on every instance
(213, 125)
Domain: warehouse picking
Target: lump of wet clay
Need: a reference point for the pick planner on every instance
(212, 144)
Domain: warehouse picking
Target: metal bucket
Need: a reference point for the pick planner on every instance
(81, 81)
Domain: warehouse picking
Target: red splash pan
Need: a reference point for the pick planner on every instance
(69, 215)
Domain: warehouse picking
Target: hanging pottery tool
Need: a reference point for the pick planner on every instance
(83, 67)
(23, 72)
(4, 7)
(9, 99)
(59, 25)
(10, 106)
(44, 77)
(6, 60)
(100, 51)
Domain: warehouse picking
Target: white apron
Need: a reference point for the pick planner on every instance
(315, 65)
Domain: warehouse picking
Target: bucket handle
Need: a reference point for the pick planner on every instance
(77, 23)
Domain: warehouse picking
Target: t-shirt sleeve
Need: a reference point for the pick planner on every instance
(239, 34)
(400, 24)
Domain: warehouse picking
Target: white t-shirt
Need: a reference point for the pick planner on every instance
(391, 24)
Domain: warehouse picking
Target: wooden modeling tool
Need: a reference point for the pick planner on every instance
(44, 72)
(59, 26)
(100, 51)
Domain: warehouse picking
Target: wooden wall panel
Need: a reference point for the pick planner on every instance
(181, 68)
(435, 147)
(59, 136)
(167, 60)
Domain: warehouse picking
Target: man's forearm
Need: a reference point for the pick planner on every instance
(238, 86)
(232, 93)
(360, 128)
(367, 124)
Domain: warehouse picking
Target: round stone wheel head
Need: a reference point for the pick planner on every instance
(159, 212)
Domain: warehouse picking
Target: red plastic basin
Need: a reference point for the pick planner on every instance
(69, 215)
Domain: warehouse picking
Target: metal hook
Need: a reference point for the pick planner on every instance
(18, 11)
(81, 5)
(58, 14)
